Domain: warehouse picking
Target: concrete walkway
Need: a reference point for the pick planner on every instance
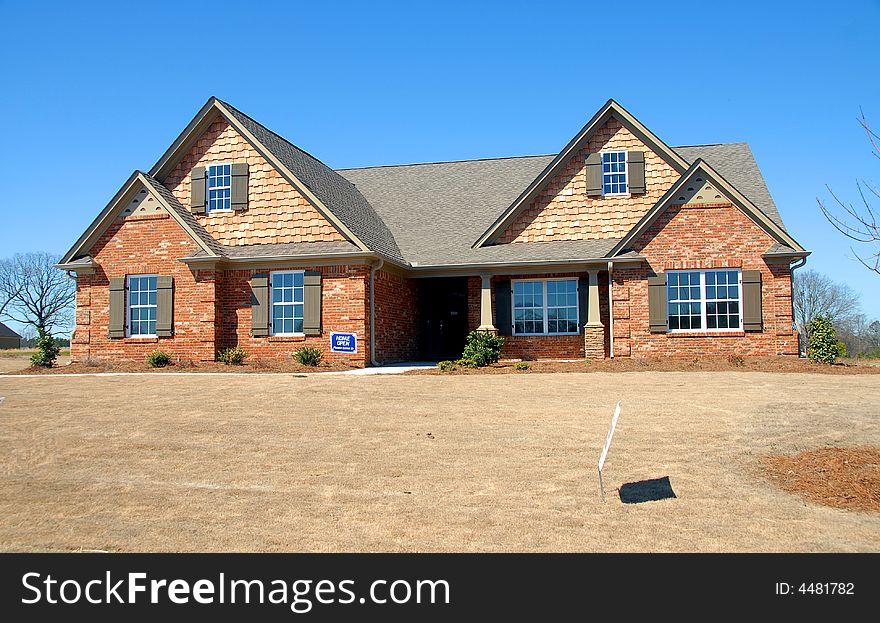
(393, 368)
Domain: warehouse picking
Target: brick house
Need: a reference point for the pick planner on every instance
(617, 246)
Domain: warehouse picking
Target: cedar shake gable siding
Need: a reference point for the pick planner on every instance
(563, 211)
(276, 212)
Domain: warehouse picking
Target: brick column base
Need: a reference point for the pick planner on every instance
(594, 342)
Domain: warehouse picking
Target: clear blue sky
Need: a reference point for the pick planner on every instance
(92, 91)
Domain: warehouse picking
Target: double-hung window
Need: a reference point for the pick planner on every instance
(141, 306)
(287, 302)
(219, 183)
(614, 173)
(704, 300)
(545, 307)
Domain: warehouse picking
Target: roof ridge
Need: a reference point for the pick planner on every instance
(421, 164)
(711, 144)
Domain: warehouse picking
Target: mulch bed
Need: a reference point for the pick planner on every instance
(671, 364)
(95, 366)
(839, 477)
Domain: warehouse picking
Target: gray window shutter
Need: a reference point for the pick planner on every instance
(116, 328)
(260, 305)
(583, 300)
(657, 316)
(312, 303)
(164, 306)
(197, 191)
(594, 175)
(503, 317)
(635, 165)
(752, 311)
(239, 185)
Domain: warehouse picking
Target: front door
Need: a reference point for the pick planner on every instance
(443, 314)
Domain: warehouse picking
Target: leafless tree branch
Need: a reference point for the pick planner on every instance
(35, 293)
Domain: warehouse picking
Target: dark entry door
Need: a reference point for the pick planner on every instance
(443, 314)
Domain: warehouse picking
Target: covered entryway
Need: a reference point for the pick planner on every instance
(443, 317)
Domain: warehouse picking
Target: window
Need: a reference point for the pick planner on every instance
(707, 300)
(287, 303)
(219, 180)
(614, 173)
(142, 306)
(545, 307)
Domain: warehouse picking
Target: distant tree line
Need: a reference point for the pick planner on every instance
(816, 295)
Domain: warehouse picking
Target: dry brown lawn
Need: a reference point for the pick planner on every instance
(423, 463)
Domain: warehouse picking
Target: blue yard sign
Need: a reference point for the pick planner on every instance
(343, 342)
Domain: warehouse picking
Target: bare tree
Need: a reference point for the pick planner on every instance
(859, 223)
(36, 293)
(817, 295)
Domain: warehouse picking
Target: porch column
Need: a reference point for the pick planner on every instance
(593, 319)
(594, 330)
(486, 305)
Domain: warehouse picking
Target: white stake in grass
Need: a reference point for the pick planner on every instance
(606, 446)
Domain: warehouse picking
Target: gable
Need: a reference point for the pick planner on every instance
(692, 233)
(276, 213)
(701, 185)
(141, 197)
(562, 210)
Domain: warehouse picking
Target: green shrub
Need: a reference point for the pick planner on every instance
(824, 346)
(308, 356)
(158, 359)
(47, 351)
(521, 365)
(467, 362)
(841, 349)
(872, 353)
(483, 348)
(446, 366)
(233, 356)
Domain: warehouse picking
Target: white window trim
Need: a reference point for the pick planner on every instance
(208, 210)
(272, 303)
(139, 336)
(703, 324)
(625, 171)
(546, 315)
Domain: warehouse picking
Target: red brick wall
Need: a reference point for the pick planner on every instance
(145, 245)
(563, 211)
(153, 245)
(344, 309)
(531, 346)
(703, 236)
(397, 321)
(277, 212)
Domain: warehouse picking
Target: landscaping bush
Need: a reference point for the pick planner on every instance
(467, 362)
(446, 366)
(158, 359)
(824, 345)
(47, 351)
(521, 365)
(483, 348)
(308, 356)
(233, 356)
